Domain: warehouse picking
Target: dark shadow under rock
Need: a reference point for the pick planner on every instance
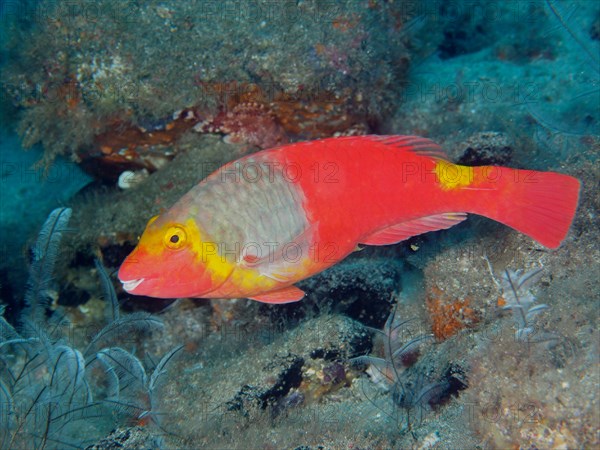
(361, 289)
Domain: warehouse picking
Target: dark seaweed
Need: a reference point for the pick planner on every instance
(411, 399)
(38, 294)
(49, 390)
(516, 286)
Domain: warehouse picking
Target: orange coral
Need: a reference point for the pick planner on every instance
(121, 134)
(245, 113)
(306, 114)
(344, 23)
(449, 315)
(322, 116)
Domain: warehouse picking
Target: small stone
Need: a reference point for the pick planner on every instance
(129, 178)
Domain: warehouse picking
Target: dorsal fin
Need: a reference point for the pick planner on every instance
(420, 145)
(404, 230)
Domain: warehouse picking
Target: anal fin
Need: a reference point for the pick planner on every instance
(405, 230)
(286, 295)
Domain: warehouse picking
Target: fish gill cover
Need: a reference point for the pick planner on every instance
(150, 97)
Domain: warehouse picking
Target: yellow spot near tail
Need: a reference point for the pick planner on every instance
(453, 176)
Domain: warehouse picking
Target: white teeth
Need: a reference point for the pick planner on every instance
(132, 284)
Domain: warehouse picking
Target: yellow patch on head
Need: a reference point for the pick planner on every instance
(223, 267)
(453, 176)
(152, 240)
(207, 253)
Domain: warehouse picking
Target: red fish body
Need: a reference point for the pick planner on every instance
(265, 221)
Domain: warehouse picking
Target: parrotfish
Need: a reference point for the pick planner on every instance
(261, 223)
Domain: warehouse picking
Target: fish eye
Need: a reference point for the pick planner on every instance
(175, 237)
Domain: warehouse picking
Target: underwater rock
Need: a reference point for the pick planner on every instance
(270, 378)
(112, 219)
(488, 148)
(288, 375)
(595, 28)
(301, 375)
(134, 438)
(320, 66)
(361, 289)
(465, 31)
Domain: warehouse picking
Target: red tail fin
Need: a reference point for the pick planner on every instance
(539, 204)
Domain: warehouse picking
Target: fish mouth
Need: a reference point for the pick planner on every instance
(132, 284)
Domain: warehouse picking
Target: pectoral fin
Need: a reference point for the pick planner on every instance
(286, 295)
(404, 230)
